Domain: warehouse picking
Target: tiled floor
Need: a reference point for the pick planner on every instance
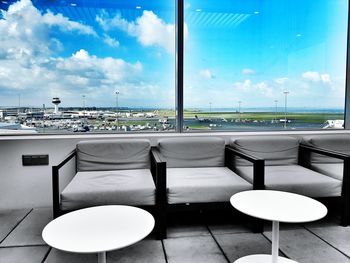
(191, 238)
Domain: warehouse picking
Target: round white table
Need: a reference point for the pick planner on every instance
(98, 229)
(276, 206)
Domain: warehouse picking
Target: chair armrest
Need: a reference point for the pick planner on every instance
(258, 166)
(322, 151)
(55, 183)
(158, 170)
(304, 159)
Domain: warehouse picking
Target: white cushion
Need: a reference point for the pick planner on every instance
(193, 151)
(122, 187)
(335, 142)
(334, 170)
(201, 185)
(275, 150)
(295, 179)
(121, 154)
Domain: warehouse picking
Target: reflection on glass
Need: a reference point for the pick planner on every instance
(265, 65)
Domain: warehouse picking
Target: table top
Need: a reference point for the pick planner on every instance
(278, 206)
(98, 229)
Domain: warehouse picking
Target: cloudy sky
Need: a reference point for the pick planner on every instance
(249, 51)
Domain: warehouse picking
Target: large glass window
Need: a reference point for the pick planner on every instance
(87, 66)
(265, 65)
(109, 66)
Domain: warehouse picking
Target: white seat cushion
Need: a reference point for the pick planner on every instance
(275, 150)
(201, 185)
(193, 152)
(110, 155)
(296, 179)
(122, 187)
(334, 170)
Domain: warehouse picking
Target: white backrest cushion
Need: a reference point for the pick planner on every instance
(334, 142)
(193, 151)
(276, 150)
(102, 155)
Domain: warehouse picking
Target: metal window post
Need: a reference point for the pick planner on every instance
(347, 76)
(179, 60)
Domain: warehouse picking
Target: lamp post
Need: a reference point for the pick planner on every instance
(285, 108)
(116, 101)
(276, 101)
(117, 107)
(210, 110)
(239, 110)
(19, 104)
(84, 106)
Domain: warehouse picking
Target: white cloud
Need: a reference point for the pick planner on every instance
(264, 89)
(243, 86)
(249, 87)
(28, 64)
(281, 81)
(248, 71)
(311, 76)
(65, 24)
(149, 29)
(326, 78)
(206, 73)
(24, 32)
(315, 76)
(112, 42)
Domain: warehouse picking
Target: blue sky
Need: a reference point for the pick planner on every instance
(238, 50)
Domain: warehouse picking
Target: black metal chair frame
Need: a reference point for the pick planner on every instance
(305, 160)
(155, 167)
(165, 208)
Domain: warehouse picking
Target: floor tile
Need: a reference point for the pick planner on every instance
(146, 251)
(236, 246)
(186, 225)
(193, 249)
(33, 254)
(337, 236)
(304, 247)
(57, 256)
(9, 219)
(329, 220)
(227, 228)
(28, 232)
(283, 226)
(184, 230)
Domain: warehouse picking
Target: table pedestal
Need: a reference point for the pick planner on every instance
(273, 258)
(263, 259)
(102, 257)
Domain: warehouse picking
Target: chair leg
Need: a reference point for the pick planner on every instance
(345, 217)
(258, 225)
(161, 230)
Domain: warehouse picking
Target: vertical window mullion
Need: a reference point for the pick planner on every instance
(347, 83)
(179, 65)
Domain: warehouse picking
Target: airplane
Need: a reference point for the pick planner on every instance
(202, 119)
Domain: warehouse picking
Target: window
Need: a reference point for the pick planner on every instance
(96, 66)
(265, 65)
(110, 66)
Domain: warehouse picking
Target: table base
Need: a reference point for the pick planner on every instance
(262, 259)
(101, 257)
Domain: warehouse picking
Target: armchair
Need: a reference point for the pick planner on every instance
(330, 155)
(110, 172)
(198, 173)
(284, 169)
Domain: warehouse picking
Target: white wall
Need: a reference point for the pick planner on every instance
(30, 186)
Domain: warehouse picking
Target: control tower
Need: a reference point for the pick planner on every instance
(56, 101)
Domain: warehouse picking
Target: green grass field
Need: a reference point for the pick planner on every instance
(266, 116)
